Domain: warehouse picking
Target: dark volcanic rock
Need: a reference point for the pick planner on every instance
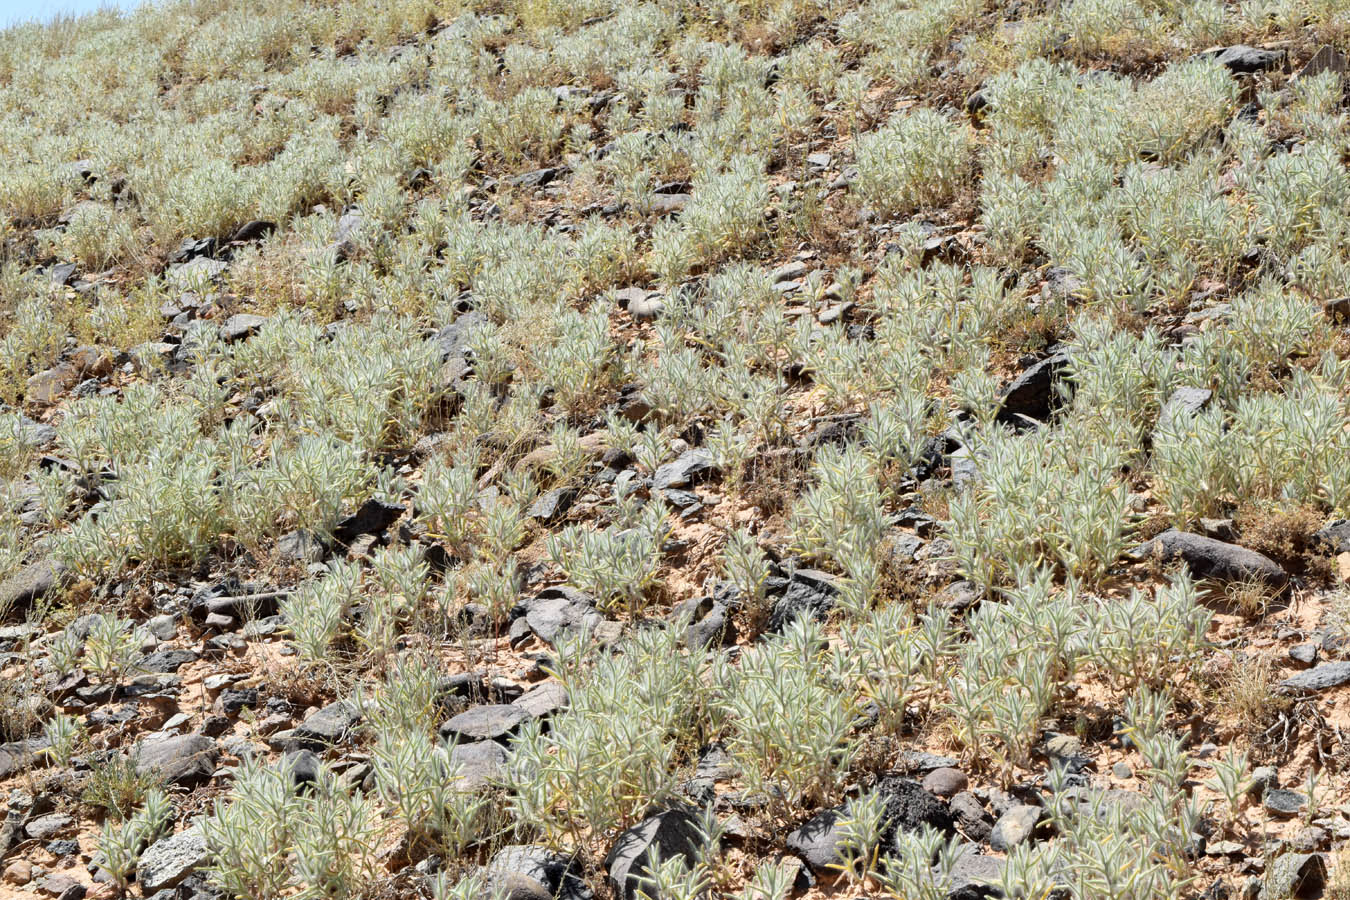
(167, 660)
(1032, 394)
(675, 832)
(255, 230)
(1335, 537)
(809, 592)
(373, 517)
(907, 806)
(1208, 558)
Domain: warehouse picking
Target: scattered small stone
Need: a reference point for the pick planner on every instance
(1263, 779)
(1283, 802)
(1014, 827)
(241, 326)
(327, 726)
(1032, 393)
(970, 816)
(19, 872)
(1303, 654)
(691, 466)
(479, 763)
(46, 827)
(945, 782)
(1122, 771)
(809, 592)
(543, 700)
(1241, 59)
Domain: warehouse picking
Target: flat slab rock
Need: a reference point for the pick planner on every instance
(1208, 558)
(1319, 678)
(188, 760)
(490, 722)
(329, 725)
(169, 860)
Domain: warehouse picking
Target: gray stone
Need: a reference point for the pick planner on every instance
(33, 582)
(168, 660)
(1122, 771)
(689, 467)
(1318, 678)
(552, 505)
(973, 877)
(714, 628)
(196, 271)
(49, 826)
(1014, 827)
(162, 627)
(1282, 802)
(1334, 537)
(1184, 401)
(16, 755)
(1241, 59)
(543, 700)
(556, 610)
(1303, 654)
(453, 343)
(971, 818)
(1263, 779)
(327, 726)
(532, 872)
(491, 722)
(300, 546)
(675, 832)
(906, 807)
(1207, 558)
(169, 860)
(241, 326)
(187, 760)
(1294, 875)
(372, 517)
(945, 782)
(479, 763)
(346, 234)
